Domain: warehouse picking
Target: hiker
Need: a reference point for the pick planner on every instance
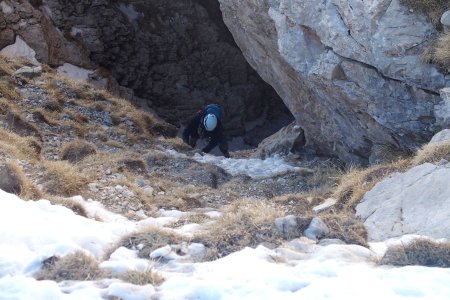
(206, 124)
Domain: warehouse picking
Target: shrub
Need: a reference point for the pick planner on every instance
(16, 123)
(64, 179)
(432, 153)
(353, 185)
(8, 90)
(148, 240)
(245, 223)
(77, 150)
(422, 252)
(346, 228)
(149, 276)
(76, 266)
(71, 204)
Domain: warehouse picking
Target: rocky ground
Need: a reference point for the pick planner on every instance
(83, 141)
(61, 138)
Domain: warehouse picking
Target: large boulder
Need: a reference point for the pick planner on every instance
(349, 70)
(18, 18)
(414, 202)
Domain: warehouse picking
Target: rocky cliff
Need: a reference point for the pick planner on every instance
(349, 70)
(171, 56)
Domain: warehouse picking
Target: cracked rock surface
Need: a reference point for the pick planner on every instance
(349, 71)
(415, 202)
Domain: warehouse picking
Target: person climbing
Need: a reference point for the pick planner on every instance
(206, 124)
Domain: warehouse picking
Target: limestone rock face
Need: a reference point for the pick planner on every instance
(176, 54)
(414, 202)
(348, 70)
(18, 18)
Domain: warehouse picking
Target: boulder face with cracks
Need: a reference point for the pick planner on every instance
(348, 70)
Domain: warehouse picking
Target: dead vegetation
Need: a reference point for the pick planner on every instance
(77, 150)
(27, 148)
(71, 204)
(147, 241)
(421, 252)
(65, 179)
(150, 276)
(245, 223)
(76, 266)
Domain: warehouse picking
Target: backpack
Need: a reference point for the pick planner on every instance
(214, 109)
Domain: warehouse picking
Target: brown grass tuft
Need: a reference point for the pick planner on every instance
(146, 241)
(246, 223)
(73, 205)
(27, 148)
(77, 150)
(149, 276)
(76, 266)
(353, 185)
(346, 228)
(8, 90)
(422, 252)
(65, 179)
(432, 153)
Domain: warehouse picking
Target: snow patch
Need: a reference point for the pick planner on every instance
(74, 72)
(253, 167)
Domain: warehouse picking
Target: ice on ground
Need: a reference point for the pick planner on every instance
(74, 72)
(254, 167)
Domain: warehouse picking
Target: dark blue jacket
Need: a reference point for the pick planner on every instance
(195, 129)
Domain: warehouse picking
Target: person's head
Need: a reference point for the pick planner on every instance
(210, 122)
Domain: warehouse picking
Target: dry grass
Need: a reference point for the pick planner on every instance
(42, 116)
(27, 148)
(246, 223)
(65, 179)
(438, 52)
(76, 116)
(6, 65)
(433, 9)
(81, 130)
(297, 204)
(77, 150)
(177, 144)
(18, 124)
(8, 90)
(76, 266)
(28, 189)
(346, 228)
(142, 120)
(422, 252)
(194, 218)
(432, 153)
(56, 96)
(73, 205)
(149, 276)
(146, 241)
(353, 185)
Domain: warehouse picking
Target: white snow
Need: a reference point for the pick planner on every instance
(74, 72)
(31, 231)
(255, 168)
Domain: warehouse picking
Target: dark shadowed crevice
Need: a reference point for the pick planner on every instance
(175, 57)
